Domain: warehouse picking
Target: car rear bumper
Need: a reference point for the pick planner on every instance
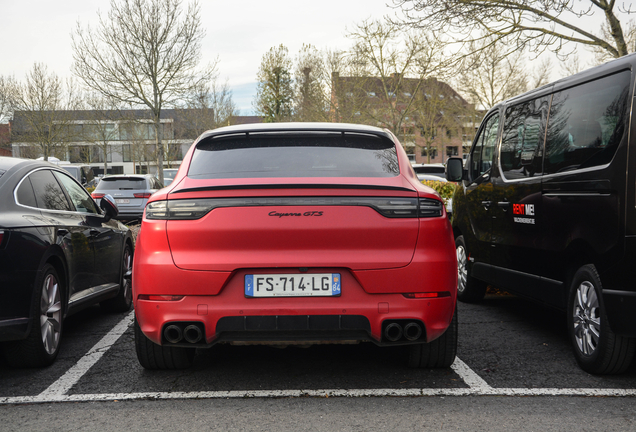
(355, 315)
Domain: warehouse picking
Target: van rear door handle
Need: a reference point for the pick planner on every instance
(486, 203)
(504, 205)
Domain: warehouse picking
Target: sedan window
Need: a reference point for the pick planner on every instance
(48, 192)
(25, 194)
(80, 198)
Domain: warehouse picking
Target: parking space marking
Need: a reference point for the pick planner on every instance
(471, 378)
(477, 386)
(59, 388)
(353, 393)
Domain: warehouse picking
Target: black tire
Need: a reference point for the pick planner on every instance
(157, 357)
(123, 300)
(42, 344)
(469, 289)
(439, 353)
(597, 349)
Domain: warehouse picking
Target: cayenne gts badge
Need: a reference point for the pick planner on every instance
(307, 213)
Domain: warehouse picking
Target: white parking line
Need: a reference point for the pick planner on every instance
(57, 392)
(473, 380)
(59, 388)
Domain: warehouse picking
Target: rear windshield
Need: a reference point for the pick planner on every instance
(122, 183)
(294, 155)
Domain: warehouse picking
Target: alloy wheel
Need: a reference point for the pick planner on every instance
(50, 314)
(586, 318)
(462, 272)
(127, 270)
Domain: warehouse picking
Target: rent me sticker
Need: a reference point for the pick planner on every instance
(523, 210)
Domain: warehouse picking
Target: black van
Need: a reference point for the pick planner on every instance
(546, 208)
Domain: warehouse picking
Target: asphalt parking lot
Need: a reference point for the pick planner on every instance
(507, 347)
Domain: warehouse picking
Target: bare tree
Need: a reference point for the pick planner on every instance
(492, 73)
(145, 52)
(541, 74)
(389, 68)
(209, 106)
(275, 93)
(7, 85)
(99, 128)
(41, 111)
(572, 66)
(629, 32)
(134, 130)
(312, 86)
(537, 25)
(438, 115)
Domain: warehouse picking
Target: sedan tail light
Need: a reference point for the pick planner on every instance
(142, 195)
(387, 206)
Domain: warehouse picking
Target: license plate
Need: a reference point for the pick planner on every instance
(122, 201)
(292, 285)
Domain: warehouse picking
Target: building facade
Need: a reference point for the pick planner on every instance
(110, 141)
(431, 120)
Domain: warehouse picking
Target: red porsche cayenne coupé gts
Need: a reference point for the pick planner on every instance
(293, 233)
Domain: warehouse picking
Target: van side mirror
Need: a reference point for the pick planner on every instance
(454, 169)
(108, 204)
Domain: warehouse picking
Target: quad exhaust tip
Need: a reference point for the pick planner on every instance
(393, 332)
(411, 331)
(192, 334)
(173, 333)
(183, 332)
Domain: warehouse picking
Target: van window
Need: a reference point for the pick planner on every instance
(521, 153)
(586, 124)
(483, 150)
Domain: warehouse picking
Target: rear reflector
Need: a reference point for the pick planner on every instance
(159, 297)
(97, 195)
(142, 195)
(427, 295)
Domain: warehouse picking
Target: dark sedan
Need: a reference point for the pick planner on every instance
(59, 253)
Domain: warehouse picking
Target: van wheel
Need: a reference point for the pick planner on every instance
(439, 353)
(596, 348)
(157, 357)
(469, 289)
(42, 344)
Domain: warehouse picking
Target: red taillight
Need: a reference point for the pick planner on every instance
(427, 295)
(96, 195)
(159, 297)
(142, 195)
(1, 237)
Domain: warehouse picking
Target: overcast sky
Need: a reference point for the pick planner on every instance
(238, 32)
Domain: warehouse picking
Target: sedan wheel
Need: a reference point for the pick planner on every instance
(50, 314)
(42, 344)
(123, 300)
